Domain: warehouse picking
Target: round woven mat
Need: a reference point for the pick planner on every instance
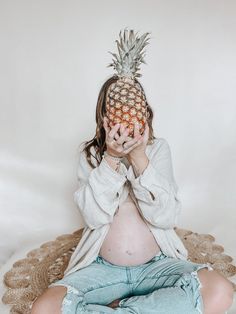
(30, 276)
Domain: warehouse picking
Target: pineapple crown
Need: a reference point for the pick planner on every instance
(130, 56)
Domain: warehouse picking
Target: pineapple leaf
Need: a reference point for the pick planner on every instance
(131, 52)
(131, 36)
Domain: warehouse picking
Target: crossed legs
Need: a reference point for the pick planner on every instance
(157, 288)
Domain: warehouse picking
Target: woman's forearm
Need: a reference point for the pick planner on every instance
(139, 163)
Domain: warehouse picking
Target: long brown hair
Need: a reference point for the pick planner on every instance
(99, 139)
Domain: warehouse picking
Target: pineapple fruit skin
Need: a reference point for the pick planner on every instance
(126, 104)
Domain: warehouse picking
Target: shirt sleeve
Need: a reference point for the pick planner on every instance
(156, 189)
(98, 194)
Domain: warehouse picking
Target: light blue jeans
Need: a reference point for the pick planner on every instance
(164, 285)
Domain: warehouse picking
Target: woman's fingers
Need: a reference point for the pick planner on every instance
(113, 131)
(130, 142)
(121, 131)
(146, 131)
(117, 136)
(126, 151)
(123, 136)
(108, 130)
(136, 129)
(136, 137)
(135, 142)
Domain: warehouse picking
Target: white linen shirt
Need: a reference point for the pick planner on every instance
(102, 189)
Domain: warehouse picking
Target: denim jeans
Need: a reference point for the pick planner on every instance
(163, 285)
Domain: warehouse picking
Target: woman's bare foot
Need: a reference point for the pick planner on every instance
(114, 303)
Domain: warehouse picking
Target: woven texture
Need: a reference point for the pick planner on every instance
(30, 276)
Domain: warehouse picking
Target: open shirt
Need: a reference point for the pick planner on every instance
(102, 189)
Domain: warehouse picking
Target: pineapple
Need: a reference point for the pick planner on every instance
(125, 99)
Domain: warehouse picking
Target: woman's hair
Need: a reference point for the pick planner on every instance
(99, 139)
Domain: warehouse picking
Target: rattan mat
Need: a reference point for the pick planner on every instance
(30, 276)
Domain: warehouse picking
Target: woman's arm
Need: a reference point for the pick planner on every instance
(98, 194)
(155, 188)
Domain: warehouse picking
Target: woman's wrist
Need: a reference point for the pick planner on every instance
(115, 158)
(139, 163)
(113, 162)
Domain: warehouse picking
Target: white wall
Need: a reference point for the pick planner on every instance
(53, 60)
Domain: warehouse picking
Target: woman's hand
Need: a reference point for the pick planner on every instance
(119, 145)
(140, 147)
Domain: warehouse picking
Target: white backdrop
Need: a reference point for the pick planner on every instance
(53, 60)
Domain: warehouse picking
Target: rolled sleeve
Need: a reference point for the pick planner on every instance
(146, 184)
(105, 178)
(156, 190)
(99, 190)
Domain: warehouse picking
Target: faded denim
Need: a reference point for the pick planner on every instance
(164, 285)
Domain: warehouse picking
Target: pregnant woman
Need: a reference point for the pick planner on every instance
(129, 259)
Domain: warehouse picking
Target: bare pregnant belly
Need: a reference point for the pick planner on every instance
(129, 241)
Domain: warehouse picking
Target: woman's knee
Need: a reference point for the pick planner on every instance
(50, 301)
(217, 291)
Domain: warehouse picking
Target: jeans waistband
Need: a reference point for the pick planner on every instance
(160, 255)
